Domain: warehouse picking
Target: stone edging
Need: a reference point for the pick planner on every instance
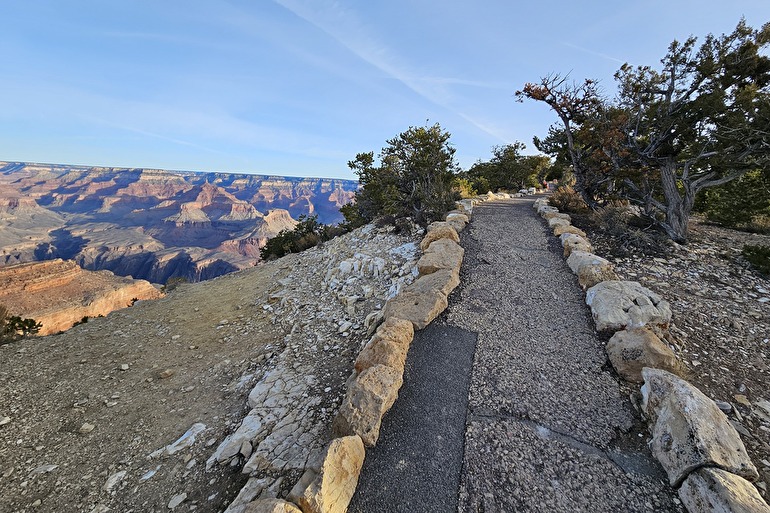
(692, 438)
(329, 484)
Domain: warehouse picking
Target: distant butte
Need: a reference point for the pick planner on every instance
(153, 224)
(59, 293)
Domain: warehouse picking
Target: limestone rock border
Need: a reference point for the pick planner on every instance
(691, 438)
(329, 484)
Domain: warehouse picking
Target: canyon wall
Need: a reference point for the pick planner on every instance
(153, 224)
(58, 293)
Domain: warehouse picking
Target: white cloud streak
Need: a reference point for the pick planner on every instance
(345, 28)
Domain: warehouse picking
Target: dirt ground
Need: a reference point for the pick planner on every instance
(99, 399)
(123, 413)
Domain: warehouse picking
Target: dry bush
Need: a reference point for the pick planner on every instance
(566, 199)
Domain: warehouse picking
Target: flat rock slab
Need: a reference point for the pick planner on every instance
(416, 463)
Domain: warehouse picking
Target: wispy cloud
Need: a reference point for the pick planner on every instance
(348, 30)
(594, 53)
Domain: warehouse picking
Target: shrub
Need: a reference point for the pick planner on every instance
(566, 199)
(465, 188)
(307, 234)
(743, 203)
(414, 179)
(172, 283)
(758, 257)
(13, 327)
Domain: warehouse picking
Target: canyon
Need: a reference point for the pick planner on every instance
(153, 224)
(58, 293)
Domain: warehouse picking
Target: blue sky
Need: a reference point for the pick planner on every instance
(298, 87)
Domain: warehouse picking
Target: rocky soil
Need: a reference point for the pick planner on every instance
(139, 411)
(721, 324)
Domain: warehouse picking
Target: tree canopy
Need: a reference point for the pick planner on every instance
(508, 169)
(699, 121)
(414, 178)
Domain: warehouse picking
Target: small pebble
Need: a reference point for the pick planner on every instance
(86, 428)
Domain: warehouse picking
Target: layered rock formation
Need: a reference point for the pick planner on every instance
(153, 224)
(58, 293)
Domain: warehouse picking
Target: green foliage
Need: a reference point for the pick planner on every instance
(743, 203)
(759, 257)
(465, 188)
(308, 233)
(698, 122)
(13, 327)
(509, 170)
(415, 178)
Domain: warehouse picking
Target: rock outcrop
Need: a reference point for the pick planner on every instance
(58, 293)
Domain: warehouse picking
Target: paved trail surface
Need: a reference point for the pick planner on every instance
(536, 422)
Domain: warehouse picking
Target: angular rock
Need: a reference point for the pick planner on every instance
(399, 330)
(466, 205)
(711, 490)
(590, 269)
(250, 491)
(543, 208)
(457, 216)
(388, 346)
(457, 221)
(633, 349)
(591, 275)
(269, 506)
(571, 242)
(562, 229)
(689, 430)
(368, 398)
(441, 254)
(552, 223)
(437, 231)
(556, 215)
(419, 303)
(616, 305)
(330, 488)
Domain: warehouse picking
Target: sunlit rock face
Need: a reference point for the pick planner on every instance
(57, 293)
(153, 224)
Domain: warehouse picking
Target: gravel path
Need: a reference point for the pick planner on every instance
(547, 427)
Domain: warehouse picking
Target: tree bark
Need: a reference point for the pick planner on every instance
(677, 208)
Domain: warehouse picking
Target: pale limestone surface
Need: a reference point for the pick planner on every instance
(368, 398)
(561, 229)
(420, 302)
(328, 489)
(616, 305)
(571, 242)
(689, 430)
(441, 254)
(712, 490)
(633, 349)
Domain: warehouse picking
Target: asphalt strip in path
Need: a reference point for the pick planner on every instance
(508, 404)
